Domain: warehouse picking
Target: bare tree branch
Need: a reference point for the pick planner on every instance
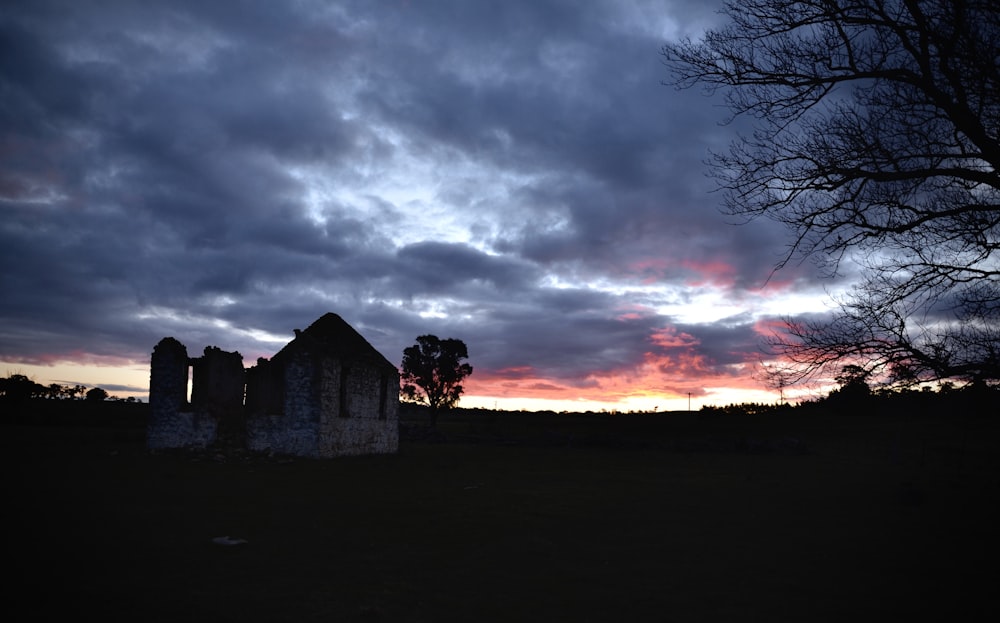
(877, 138)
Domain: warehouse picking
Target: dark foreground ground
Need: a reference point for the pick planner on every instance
(678, 519)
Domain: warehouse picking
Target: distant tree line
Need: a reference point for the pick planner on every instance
(856, 396)
(16, 388)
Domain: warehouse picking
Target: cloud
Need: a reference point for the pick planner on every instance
(512, 174)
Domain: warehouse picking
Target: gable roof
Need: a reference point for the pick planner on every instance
(332, 336)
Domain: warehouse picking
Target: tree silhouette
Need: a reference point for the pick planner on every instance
(776, 375)
(76, 392)
(96, 395)
(16, 388)
(433, 371)
(876, 140)
(54, 391)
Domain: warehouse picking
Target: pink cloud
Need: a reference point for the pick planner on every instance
(673, 369)
(669, 337)
(715, 273)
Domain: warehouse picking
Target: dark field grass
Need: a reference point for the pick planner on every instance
(642, 518)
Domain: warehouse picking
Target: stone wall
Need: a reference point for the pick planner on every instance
(217, 389)
(173, 423)
(369, 420)
(296, 429)
(310, 400)
(331, 409)
(265, 390)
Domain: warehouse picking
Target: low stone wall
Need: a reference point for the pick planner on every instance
(357, 436)
(182, 429)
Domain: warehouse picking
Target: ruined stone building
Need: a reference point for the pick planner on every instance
(327, 393)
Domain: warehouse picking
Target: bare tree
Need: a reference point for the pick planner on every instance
(777, 376)
(894, 339)
(876, 140)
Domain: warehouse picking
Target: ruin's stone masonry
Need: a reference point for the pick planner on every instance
(327, 393)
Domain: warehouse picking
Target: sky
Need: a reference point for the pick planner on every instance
(512, 174)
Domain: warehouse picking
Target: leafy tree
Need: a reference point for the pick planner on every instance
(75, 392)
(853, 381)
(433, 371)
(96, 395)
(876, 140)
(54, 391)
(16, 388)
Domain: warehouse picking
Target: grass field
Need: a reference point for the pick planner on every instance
(673, 518)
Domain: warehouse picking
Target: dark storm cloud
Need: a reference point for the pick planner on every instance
(727, 342)
(220, 171)
(622, 154)
(434, 267)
